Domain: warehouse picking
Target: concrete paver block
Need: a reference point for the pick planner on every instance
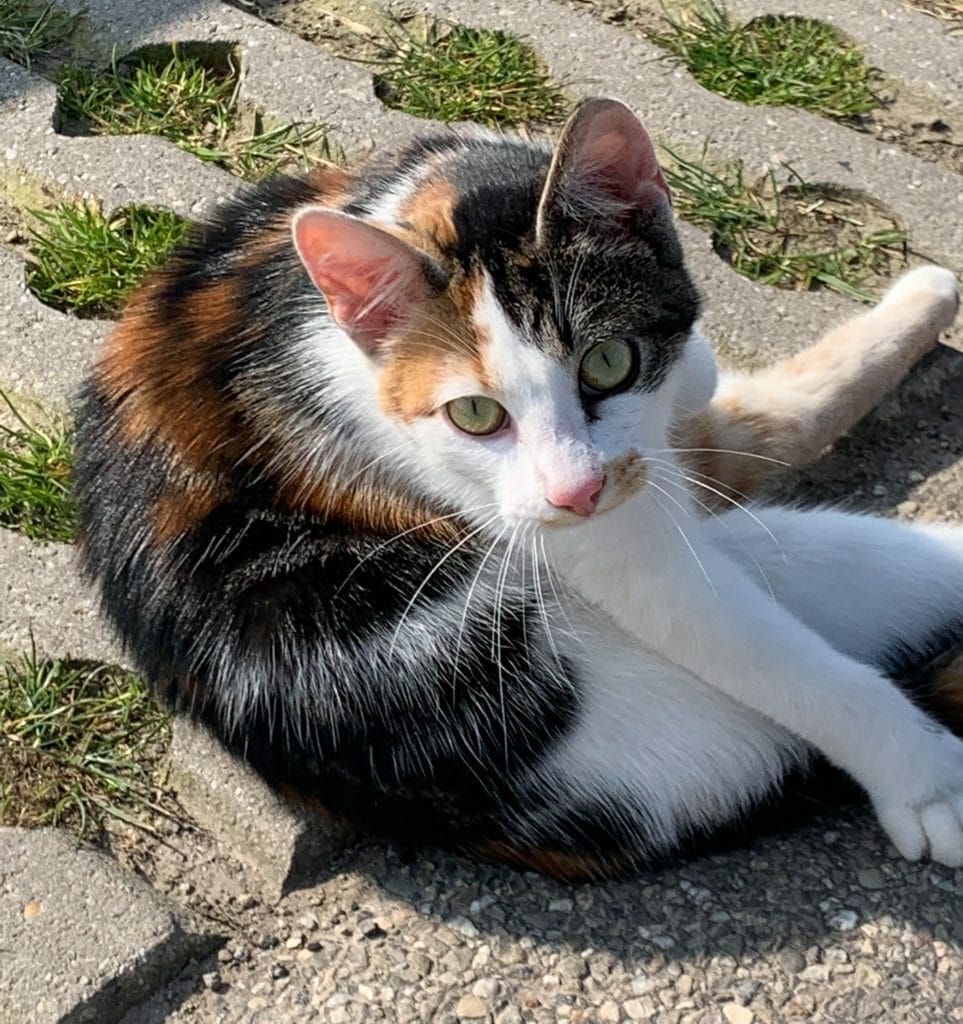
(282, 844)
(43, 598)
(928, 199)
(81, 939)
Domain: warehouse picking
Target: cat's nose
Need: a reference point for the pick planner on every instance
(580, 498)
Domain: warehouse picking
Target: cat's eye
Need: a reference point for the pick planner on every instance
(608, 366)
(476, 414)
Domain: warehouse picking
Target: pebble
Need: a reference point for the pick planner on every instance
(463, 926)
(470, 1007)
(844, 920)
(737, 1014)
(213, 981)
(609, 1012)
(639, 1009)
(791, 960)
(871, 878)
(572, 967)
(486, 988)
(907, 508)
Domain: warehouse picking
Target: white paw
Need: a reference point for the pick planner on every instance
(935, 287)
(927, 816)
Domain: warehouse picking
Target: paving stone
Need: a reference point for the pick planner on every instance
(82, 939)
(44, 601)
(43, 353)
(927, 198)
(283, 845)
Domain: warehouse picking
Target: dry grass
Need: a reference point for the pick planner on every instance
(950, 11)
(796, 235)
(80, 744)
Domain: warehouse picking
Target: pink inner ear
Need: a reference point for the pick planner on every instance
(618, 156)
(605, 164)
(372, 281)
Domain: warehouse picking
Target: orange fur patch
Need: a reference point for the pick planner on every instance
(155, 367)
(718, 435)
(624, 477)
(368, 510)
(429, 213)
(331, 183)
(181, 511)
(443, 342)
(557, 864)
(944, 691)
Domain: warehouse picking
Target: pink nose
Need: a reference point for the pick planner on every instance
(580, 499)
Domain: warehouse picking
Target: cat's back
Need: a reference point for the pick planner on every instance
(189, 477)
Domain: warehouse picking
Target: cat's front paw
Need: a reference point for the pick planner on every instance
(933, 290)
(924, 814)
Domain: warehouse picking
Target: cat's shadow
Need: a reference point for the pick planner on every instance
(786, 896)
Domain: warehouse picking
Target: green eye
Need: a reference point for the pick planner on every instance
(476, 415)
(608, 365)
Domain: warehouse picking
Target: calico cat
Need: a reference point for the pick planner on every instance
(394, 479)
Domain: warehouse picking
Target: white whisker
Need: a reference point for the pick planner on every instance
(437, 566)
(723, 451)
(682, 532)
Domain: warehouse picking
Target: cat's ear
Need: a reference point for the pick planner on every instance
(373, 281)
(604, 167)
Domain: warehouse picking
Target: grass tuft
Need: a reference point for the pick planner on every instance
(453, 73)
(30, 30)
(183, 99)
(35, 495)
(799, 236)
(79, 744)
(87, 262)
(775, 59)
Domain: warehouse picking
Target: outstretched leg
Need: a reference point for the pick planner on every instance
(886, 593)
(787, 414)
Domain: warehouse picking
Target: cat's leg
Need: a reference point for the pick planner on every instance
(688, 600)
(655, 762)
(877, 589)
(787, 414)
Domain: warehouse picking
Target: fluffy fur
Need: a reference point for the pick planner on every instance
(531, 643)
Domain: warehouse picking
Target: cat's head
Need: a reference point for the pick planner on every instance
(531, 348)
